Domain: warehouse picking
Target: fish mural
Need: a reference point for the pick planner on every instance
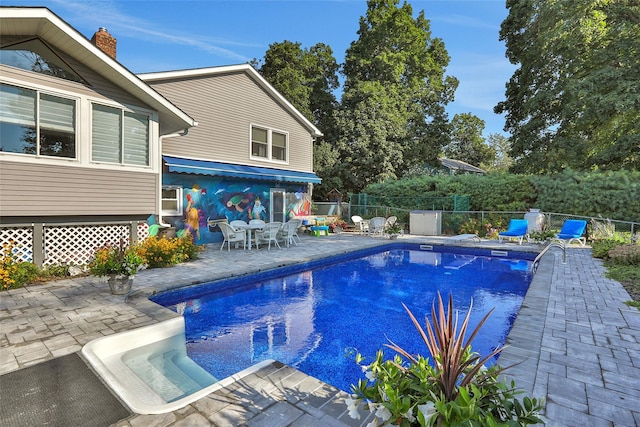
(209, 200)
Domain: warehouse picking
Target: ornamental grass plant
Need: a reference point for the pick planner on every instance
(454, 388)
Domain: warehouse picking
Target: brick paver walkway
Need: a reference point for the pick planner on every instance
(578, 344)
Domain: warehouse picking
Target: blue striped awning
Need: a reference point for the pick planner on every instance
(203, 167)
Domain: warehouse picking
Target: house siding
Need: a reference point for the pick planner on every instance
(99, 89)
(225, 106)
(32, 190)
(33, 186)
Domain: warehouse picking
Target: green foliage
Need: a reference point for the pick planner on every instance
(624, 254)
(13, 272)
(501, 161)
(161, 252)
(467, 143)
(392, 112)
(614, 195)
(488, 228)
(118, 259)
(571, 102)
(601, 248)
(16, 274)
(456, 390)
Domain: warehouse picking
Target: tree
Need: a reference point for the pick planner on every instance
(573, 102)
(393, 106)
(501, 161)
(467, 143)
(307, 79)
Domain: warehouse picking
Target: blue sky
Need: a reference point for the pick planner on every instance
(169, 35)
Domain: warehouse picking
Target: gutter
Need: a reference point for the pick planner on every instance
(159, 190)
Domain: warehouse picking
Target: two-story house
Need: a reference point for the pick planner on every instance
(250, 157)
(80, 139)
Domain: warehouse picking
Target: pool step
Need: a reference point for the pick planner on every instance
(171, 374)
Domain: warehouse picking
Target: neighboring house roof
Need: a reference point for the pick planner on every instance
(41, 22)
(458, 165)
(246, 68)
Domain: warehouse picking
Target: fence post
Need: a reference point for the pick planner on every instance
(38, 244)
(133, 232)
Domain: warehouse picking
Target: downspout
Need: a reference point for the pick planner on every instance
(159, 192)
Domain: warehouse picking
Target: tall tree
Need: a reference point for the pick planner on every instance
(392, 114)
(307, 79)
(467, 143)
(573, 101)
(501, 146)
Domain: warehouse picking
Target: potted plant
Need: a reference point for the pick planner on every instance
(338, 225)
(119, 263)
(392, 230)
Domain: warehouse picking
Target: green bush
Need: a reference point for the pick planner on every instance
(614, 195)
(161, 252)
(625, 254)
(457, 389)
(601, 248)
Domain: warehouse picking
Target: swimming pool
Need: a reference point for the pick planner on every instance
(314, 317)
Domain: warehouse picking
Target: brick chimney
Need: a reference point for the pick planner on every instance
(105, 42)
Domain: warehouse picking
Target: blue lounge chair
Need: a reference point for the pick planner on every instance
(517, 230)
(572, 229)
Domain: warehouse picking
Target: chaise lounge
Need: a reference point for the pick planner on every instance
(517, 230)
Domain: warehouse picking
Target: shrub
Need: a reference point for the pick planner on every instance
(13, 272)
(162, 252)
(624, 255)
(457, 390)
(601, 248)
(188, 249)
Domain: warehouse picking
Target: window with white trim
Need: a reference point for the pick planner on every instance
(171, 200)
(119, 136)
(269, 144)
(36, 123)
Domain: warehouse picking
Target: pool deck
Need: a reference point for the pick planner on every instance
(576, 342)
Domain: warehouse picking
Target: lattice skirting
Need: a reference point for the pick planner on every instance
(68, 244)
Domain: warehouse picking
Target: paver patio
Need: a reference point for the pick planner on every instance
(576, 342)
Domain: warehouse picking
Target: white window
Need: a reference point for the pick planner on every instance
(37, 123)
(269, 144)
(119, 136)
(171, 200)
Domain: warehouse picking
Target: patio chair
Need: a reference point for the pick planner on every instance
(361, 224)
(376, 226)
(297, 227)
(572, 229)
(232, 236)
(268, 234)
(288, 231)
(517, 230)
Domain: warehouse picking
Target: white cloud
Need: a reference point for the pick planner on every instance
(109, 15)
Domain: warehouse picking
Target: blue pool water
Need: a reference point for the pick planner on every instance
(317, 318)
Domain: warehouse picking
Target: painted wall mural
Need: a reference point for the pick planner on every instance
(208, 200)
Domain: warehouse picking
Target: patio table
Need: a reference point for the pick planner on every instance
(249, 227)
